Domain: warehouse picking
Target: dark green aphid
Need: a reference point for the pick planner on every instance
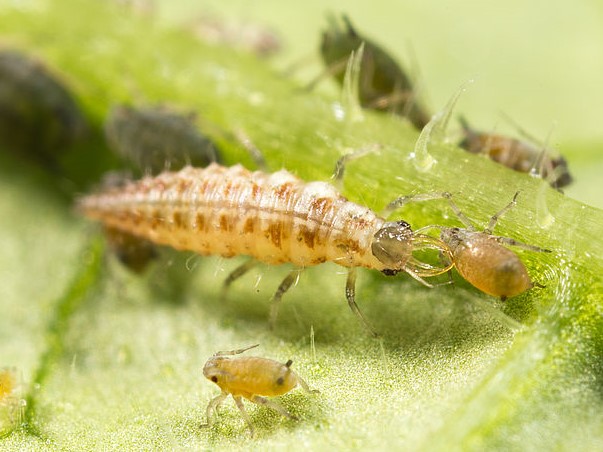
(383, 84)
(156, 139)
(39, 119)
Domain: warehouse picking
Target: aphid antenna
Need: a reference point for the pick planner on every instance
(235, 352)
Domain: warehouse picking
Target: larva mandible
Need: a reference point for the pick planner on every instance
(272, 217)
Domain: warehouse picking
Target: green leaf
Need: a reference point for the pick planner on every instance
(112, 360)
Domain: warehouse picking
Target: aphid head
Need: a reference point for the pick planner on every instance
(561, 174)
(213, 370)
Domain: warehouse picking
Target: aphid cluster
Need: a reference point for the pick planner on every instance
(252, 378)
(384, 86)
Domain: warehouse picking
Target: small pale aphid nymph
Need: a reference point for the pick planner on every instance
(250, 377)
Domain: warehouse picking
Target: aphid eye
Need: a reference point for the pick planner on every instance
(214, 379)
(280, 381)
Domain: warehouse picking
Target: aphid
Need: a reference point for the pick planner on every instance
(275, 218)
(250, 37)
(480, 257)
(39, 118)
(252, 378)
(517, 154)
(383, 84)
(155, 139)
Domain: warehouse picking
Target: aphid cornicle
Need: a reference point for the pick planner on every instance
(481, 257)
(250, 377)
(275, 218)
(516, 154)
(383, 84)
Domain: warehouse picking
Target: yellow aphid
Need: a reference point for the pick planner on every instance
(251, 377)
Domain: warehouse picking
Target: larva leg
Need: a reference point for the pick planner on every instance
(241, 408)
(212, 406)
(259, 400)
(350, 294)
(275, 301)
(237, 273)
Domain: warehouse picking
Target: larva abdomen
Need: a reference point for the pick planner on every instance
(275, 218)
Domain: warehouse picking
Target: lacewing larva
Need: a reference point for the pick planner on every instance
(517, 154)
(481, 257)
(274, 218)
(39, 118)
(155, 139)
(383, 85)
(253, 378)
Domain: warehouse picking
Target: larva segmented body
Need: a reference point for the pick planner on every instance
(274, 218)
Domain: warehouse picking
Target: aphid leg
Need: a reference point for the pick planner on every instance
(235, 352)
(241, 408)
(339, 171)
(332, 70)
(284, 286)
(512, 242)
(259, 400)
(500, 213)
(236, 274)
(305, 386)
(254, 152)
(458, 212)
(212, 406)
(403, 200)
(350, 294)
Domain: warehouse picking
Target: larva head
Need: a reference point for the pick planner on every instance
(394, 244)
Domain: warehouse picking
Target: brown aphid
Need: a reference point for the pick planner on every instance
(155, 139)
(482, 259)
(39, 118)
(384, 86)
(250, 377)
(517, 154)
(275, 218)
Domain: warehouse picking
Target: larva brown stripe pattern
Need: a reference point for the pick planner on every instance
(230, 211)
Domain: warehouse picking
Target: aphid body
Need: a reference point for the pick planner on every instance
(39, 119)
(383, 84)
(485, 263)
(154, 139)
(517, 154)
(251, 377)
(275, 218)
